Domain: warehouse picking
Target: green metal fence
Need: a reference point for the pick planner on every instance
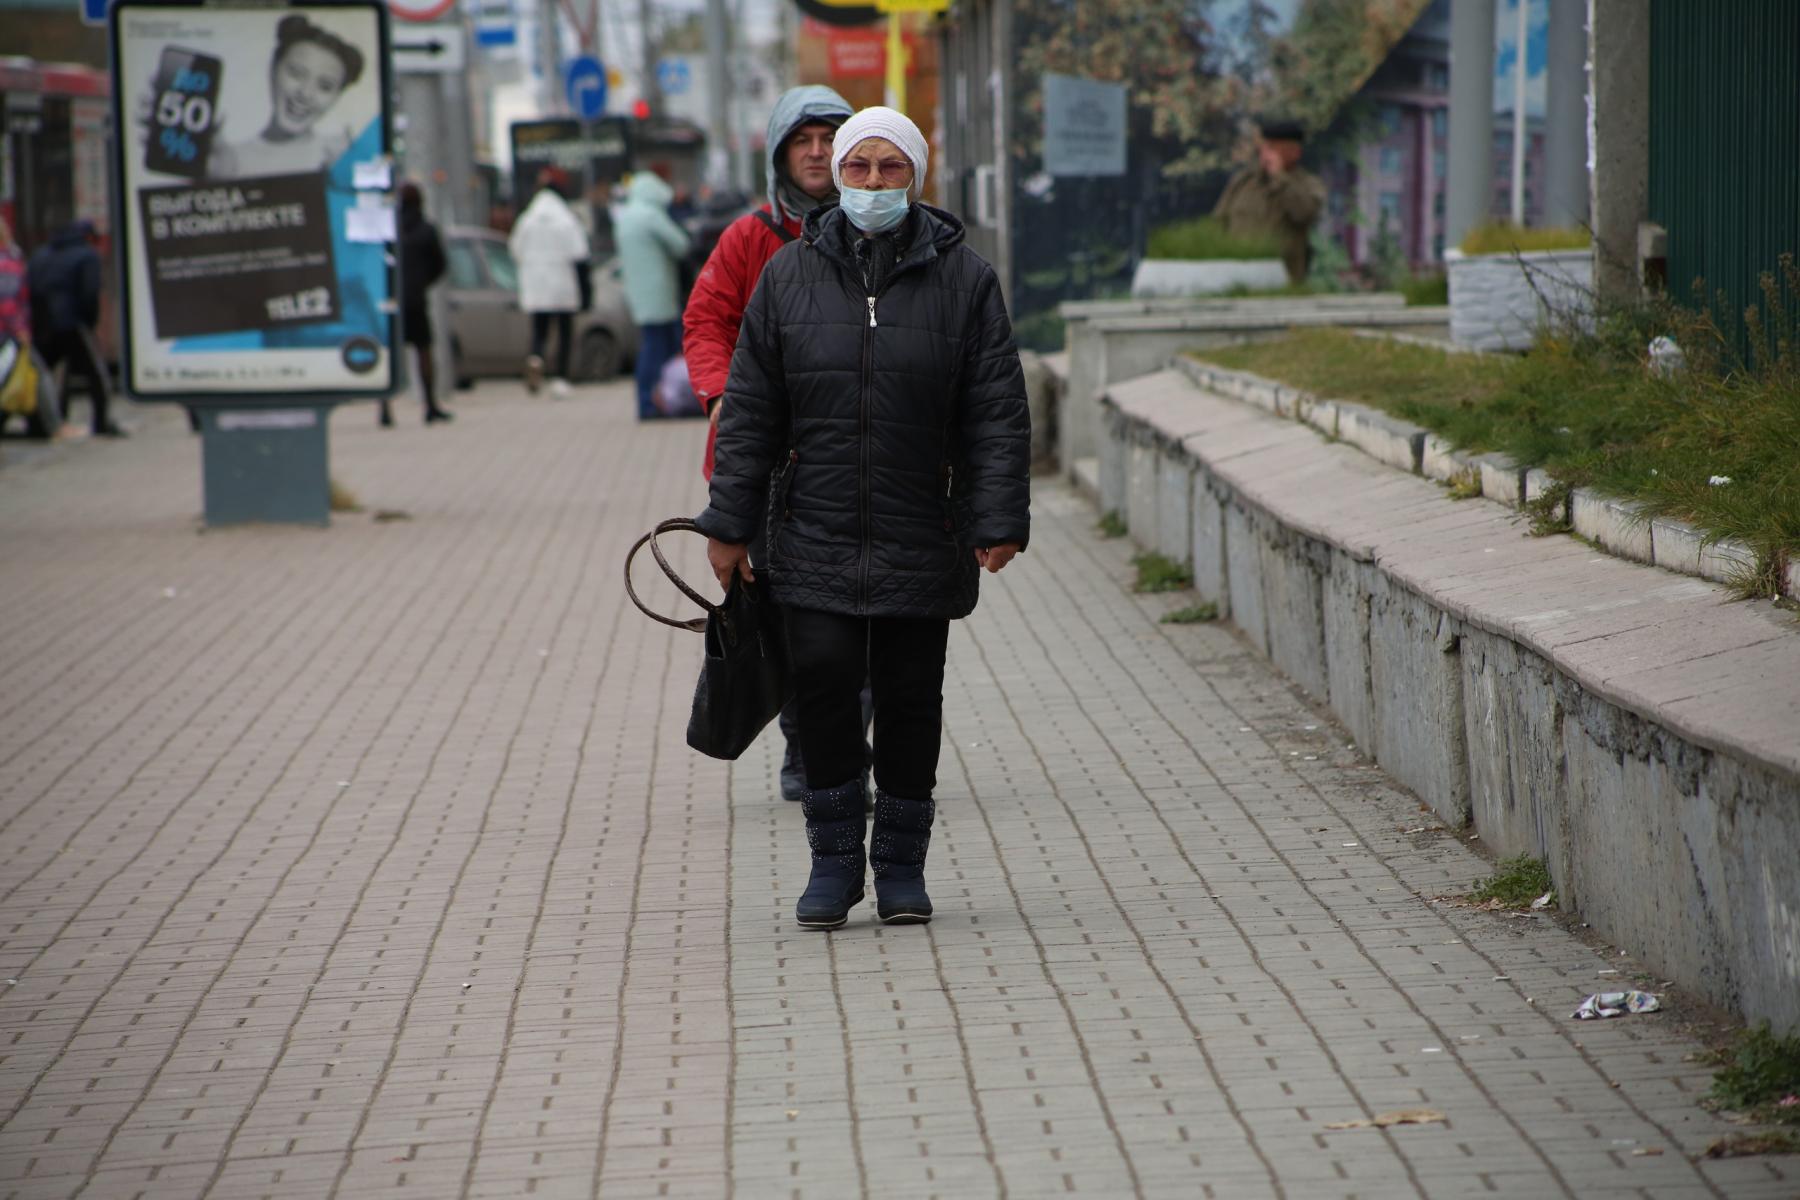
(1725, 141)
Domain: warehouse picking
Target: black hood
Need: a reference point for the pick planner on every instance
(75, 233)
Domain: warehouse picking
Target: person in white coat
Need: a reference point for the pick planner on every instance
(550, 248)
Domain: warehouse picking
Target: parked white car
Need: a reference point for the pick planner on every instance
(490, 336)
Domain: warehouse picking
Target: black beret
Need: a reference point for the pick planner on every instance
(1276, 129)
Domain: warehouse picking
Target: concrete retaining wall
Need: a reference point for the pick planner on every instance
(1636, 729)
(1109, 341)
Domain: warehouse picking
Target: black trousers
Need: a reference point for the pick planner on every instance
(78, 351)
(565, 333)
(903, 661)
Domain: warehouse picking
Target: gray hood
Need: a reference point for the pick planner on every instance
(797, 106)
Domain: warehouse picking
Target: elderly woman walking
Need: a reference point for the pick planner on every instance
(876, 416)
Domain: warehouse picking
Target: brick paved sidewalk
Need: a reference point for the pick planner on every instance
(371, 861)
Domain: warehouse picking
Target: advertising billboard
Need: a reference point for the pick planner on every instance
(255, 208)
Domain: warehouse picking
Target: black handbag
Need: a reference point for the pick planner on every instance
(745, 678)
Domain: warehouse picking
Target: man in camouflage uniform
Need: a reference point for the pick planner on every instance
(1276, 196)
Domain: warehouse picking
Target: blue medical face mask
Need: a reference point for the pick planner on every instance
(873, 212)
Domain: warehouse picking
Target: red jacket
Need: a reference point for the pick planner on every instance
(715, 308)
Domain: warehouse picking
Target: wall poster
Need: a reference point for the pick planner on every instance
(254, 204)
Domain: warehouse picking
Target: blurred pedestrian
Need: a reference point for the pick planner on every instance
(549, 246)
(651, 247)
(798, 178)
(1276, 197)
(64, 278)
(422, 263)
(15, 327)
(876, 412)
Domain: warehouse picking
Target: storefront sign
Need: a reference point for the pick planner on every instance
(243, 276)
(856, 53)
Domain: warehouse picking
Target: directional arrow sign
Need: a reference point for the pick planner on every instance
(585, 80)
(427, 48)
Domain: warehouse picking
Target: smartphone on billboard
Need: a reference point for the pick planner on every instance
(183, 113)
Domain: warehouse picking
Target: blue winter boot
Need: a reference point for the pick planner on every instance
(897, 849)
(834, 830)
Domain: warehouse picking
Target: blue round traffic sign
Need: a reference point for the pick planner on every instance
(584, 81)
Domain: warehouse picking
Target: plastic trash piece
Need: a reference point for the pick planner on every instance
(1544, 900)
(1616, 1004)
(1666, 357)
(1399, 1116)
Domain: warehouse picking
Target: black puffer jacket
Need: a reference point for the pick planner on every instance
(883, 439)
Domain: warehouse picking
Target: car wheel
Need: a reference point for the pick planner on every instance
(598, 357)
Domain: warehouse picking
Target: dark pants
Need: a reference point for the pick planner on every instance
(903, 661)
(77, 350)
(565, 333)
(657, 344)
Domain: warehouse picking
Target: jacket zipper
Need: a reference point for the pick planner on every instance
(868, 386)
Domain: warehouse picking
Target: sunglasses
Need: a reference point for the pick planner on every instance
(857, 171)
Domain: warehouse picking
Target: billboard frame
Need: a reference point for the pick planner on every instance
(130, 280)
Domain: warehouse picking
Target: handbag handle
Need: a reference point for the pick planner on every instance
(673, 525)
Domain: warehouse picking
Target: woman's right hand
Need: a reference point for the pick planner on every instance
(728, 559)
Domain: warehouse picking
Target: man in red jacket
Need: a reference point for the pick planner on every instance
(799, 180)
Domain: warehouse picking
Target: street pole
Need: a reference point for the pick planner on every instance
(748, 177)
(649, 87)
(550, 97)
(718, 87)
(1521, 128)
(896, 64)
(1471, 150)
(1565, 116)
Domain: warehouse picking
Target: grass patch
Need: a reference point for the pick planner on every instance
(1112, 525)
(1503, 237)
(1515, 883)
(1204, 238)
(1465, 485)
(1741, 1145)
(1243, 291)
(1193, 614)
(1761, 1071)
(1586, 408)
(1423, 290)
(1158, 573)
(1548, 512)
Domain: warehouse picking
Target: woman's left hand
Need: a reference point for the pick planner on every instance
(992, 558)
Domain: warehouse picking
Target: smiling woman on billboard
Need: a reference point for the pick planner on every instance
(310, 69)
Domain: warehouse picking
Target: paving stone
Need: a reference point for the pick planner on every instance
(373, 862)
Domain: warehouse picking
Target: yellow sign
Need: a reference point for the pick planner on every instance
(924, 6)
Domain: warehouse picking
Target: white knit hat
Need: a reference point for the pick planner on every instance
(887, 123)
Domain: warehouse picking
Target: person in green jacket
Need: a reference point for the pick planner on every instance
(1275, 196)
(651, 247)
